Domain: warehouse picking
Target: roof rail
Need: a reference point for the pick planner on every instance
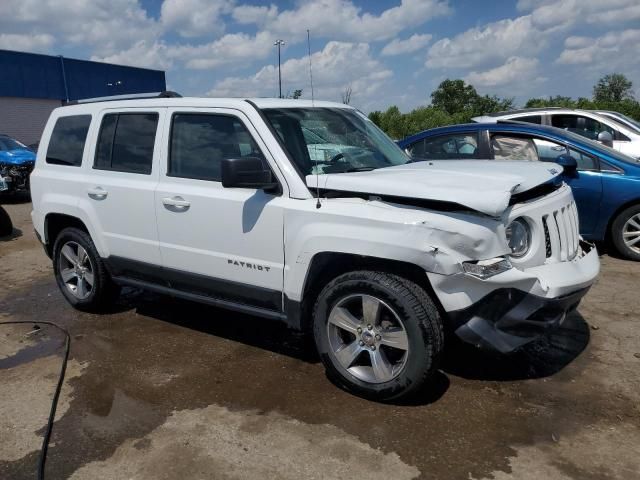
(131, 96)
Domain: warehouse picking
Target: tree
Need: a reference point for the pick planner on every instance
(346, 95)
(453, 96)
(614, 87)
(456, 97)
(295, 95)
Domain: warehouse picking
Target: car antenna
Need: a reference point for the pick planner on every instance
(318, 204)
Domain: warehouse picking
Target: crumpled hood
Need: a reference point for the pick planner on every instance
(17, 157)
(482, 185)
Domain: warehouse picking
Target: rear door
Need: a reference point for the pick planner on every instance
(120, 184)
(225, 243)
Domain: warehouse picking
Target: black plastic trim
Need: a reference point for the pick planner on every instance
(507, 319)
(207, 289)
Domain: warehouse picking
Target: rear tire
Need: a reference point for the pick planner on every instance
(6, 227)
(625, 233)
(80, 272)
(379, 335)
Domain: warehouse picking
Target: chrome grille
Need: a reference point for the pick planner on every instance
(563, 233)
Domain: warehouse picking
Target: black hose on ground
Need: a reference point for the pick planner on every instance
(54, 403)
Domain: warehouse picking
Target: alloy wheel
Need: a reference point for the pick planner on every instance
(76, 270)
(367, 338)
(631, 233)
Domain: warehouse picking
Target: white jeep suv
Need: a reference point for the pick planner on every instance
(223, 201)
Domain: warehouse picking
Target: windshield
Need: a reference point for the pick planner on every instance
(7, 143)
(599, 147)
(616, 116)
(333, 140)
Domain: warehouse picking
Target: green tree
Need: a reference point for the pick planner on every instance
(453, 96)
(614, 87)
(557, 101)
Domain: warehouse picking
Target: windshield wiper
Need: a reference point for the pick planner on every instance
(360, 169)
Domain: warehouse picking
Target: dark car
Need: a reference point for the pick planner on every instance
(605, 183)
(16, 163)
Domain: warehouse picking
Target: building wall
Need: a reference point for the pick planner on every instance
(24, 118)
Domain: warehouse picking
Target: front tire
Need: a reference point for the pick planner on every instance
(379, 335)
(625, 233)
(80, 272)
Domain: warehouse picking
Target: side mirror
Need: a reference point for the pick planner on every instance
(606, 138)
(569, 164)
(246, 172)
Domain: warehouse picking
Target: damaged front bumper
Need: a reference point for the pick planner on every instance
(513, 308)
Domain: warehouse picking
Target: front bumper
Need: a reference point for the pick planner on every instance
(511, 309)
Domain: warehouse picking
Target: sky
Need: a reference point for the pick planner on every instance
(392, 52)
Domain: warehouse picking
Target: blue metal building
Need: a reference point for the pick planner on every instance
(31, 85)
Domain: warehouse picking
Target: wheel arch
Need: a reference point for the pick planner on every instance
(324, 266)
(54, 223)
(615, 214)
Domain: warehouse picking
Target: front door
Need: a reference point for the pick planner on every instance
(226, 243)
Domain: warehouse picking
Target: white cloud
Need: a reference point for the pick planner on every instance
(413, 43)
(612, 50)
(234, 48)
(337, 66)
(341, 19)
(30, 43)
(515, 69)
(141, 54)
(195, 18)
(566, 13)
(248, 14)
(105, 26)
(480, 45)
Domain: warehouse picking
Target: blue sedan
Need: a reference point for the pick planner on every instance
(605, 183)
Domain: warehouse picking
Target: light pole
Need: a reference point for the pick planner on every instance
(279, 44)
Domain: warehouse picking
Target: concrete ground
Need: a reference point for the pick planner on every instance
(165, 389)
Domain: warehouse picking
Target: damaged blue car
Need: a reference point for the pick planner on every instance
(16, 163)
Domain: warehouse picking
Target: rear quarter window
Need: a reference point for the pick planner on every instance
(66, 144)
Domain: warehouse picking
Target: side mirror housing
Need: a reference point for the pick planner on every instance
(606, 138)
(247, 172)
(569, 164)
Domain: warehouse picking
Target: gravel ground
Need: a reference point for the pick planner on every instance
(163, 389)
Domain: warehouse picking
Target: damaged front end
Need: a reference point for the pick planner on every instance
(15, 177)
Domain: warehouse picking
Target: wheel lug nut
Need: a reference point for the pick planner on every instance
(359, 330)
(378, 337)
(361, 343)
(369, 326)
(373, 347)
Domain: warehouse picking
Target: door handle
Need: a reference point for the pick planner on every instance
(178, 202)
(97, 193)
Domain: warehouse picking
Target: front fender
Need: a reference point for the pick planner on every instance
(435, 241)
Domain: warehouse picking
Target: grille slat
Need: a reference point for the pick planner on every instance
(561, 230)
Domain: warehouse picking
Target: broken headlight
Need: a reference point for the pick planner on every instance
(487, 268)
(518, 237)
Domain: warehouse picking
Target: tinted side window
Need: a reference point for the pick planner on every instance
(199, 143)
(530, 119)
(585, 126)
(125, 142)
(513, 148)
(67, 140)
(458, 146)
(549, 151)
